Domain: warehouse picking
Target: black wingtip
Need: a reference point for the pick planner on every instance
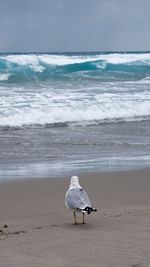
(94, 210)
(89, 210)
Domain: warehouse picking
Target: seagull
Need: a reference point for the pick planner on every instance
(77, 199)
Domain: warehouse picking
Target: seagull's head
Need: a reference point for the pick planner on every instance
(74, 182)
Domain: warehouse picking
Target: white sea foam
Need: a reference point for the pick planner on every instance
(58, 60)
(4, 77)
(126, 58)
(50, 108)
(26, 60)
(35, 61)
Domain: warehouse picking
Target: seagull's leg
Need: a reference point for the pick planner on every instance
(83, 222)
(75, 220)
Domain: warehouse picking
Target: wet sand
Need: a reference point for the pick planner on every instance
(36, 229)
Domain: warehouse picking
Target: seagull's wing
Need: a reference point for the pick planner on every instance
(77, 198)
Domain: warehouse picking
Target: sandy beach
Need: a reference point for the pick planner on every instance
(36, 229)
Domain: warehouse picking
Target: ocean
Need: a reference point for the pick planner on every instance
(67, 113)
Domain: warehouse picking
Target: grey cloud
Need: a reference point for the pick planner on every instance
(68, 25)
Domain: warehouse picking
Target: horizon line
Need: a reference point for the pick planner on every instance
(75, 52)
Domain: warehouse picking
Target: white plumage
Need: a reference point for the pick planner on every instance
(77, 199)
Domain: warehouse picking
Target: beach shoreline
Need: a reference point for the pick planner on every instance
(37, 229)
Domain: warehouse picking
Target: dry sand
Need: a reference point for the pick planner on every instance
(40, 230)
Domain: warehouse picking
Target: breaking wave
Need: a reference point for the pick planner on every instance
(31, 67)
(73, 114)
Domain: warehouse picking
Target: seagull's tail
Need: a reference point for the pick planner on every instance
(89, 210)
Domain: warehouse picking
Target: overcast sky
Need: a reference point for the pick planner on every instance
(74, 25)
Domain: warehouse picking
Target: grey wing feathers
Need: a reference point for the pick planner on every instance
(77, 199)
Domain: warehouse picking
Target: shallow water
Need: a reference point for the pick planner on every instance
(61, 150)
